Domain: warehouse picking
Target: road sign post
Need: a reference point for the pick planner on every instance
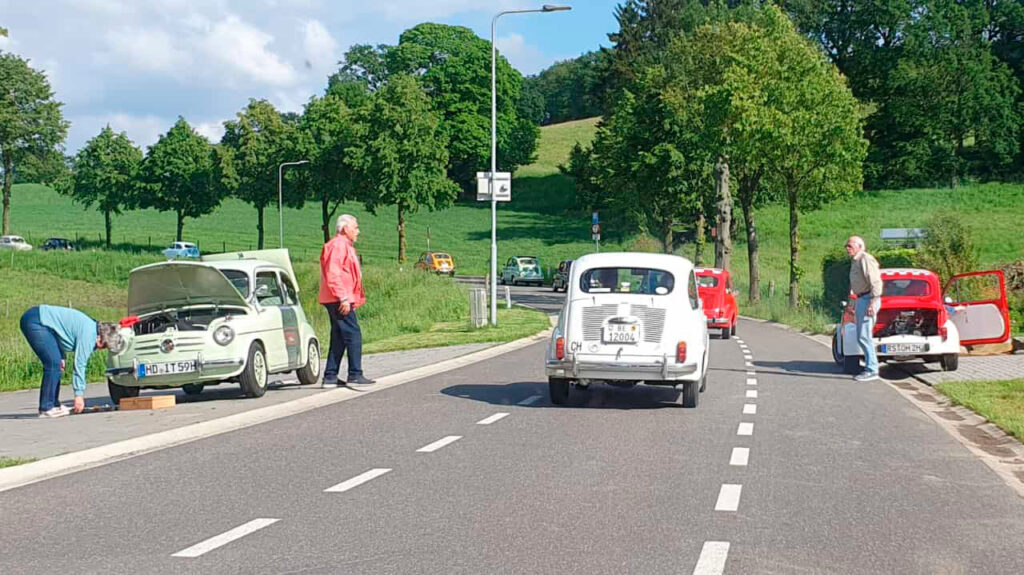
(595, 231)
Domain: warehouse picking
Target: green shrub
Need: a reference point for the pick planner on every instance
(948, 249)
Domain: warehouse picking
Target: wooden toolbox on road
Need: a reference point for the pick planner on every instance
(148, 402)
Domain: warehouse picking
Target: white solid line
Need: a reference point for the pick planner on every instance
(530, 400)
(712, 558)
(225, 538)
(356, 481)
(740, 456)
(439, 444)
(749, 409)
(491, 419)
(751, 381)
(751, 394)
(745, 429)
(729, 497)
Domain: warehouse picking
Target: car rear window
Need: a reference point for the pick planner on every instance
(644, 281)
(707, 281)
(528, 262)
(239, 279)
(906, 288)
(441, 256)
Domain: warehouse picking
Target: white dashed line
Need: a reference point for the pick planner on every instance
(530, 400)
(729, 497)
(740, 456)
(491, 419)
(225, 538)
(749, 409)
(751, 381)
(751, 394)
(748, 357)
(750, 364)
(751, 372)
(745, 429)
(712, 558)
(356, 481)
(439, 444)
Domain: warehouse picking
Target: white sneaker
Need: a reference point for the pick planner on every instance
(59, 411)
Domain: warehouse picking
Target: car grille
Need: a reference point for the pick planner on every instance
(593, 319)
(652, 319)
(150, 345)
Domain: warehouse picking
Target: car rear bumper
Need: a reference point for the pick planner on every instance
(632, 369)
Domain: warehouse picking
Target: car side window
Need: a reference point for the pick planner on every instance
(291, 295)
(268, 292)
(691, 291)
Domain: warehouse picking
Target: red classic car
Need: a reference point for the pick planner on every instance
(714, 286)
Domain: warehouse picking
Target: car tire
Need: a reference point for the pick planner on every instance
(733, 331)
(726, 333)
(851, 364)
(119, 392)
(310, 373)
(837, 354)
(254, 377)
(192, 388)
(950, 361)
(558, 387)
(689, 397)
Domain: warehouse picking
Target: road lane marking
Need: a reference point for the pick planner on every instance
(439, 444)
(729, 497)
(225, 538)
(748, 357)
(751, 372)
(356, 481)
(749, 409)
(749, 364)
(712, 558)
(740, 456)
(745, 429)
(751, 381)
(491, 419)
(529, 400)
(751, 394)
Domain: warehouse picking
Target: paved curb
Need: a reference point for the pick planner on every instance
(56, 466)
(1002, 452)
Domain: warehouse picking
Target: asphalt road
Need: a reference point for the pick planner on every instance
(541, 298)
(837, 477)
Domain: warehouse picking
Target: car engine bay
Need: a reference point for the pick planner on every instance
(182, 320)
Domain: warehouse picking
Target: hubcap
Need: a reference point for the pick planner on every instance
(259, 368)
(314, 359)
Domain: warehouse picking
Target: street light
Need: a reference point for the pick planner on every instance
(494, 154)
(280, 206)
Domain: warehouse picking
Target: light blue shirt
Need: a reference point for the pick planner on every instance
(76, 332)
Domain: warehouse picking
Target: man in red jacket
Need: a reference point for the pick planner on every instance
(341, 292)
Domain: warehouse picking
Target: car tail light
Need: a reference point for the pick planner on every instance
(944, 332)
(681, 352)
(560, 348)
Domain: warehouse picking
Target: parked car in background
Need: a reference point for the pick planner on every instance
(918, 319)
(14, 243)
(630, 318)
(436, 262)
(228, 318)
(522, 270)
(561, 279)
(719, 298)
(58, 244)
(181, 250)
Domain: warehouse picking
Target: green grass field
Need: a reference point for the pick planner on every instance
(1001, 402)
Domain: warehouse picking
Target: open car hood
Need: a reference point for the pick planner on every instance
(179, 284)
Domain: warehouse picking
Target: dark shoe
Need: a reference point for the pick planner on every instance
(360, 380)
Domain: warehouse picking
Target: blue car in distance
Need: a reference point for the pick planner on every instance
(182, 250)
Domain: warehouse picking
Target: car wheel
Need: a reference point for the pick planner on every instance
(118, 392)
(733, 326)
(254, 377)
(950, 361)
(192, 388)
(690, 395)
(515, 282)
(726, 332)
(559, 390)
(310, 373)
(851, 364)
(837, 353)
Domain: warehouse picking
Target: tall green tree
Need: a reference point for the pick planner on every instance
(400, 153)
(568, 90)
(259, 141)
(105, 175)
(32, 127)
(327, 128)
(184, 174)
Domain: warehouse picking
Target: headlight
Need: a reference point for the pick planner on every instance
(121, 342)
(223, 335)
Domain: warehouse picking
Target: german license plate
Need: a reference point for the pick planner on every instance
(903, 348)
(167, 368)
(622, 333)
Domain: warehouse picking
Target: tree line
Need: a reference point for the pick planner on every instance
(405, 125)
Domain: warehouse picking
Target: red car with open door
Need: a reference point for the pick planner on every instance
(714, 286)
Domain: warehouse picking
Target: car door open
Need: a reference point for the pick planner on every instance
(980, 310)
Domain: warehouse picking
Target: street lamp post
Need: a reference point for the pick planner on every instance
(494, 154)
(280, 205)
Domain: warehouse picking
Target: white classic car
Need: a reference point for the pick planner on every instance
(14, 243)
(230, 317)
(630, 318)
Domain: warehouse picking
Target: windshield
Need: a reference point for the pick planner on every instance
(707, 281)
(642, 281)
(239, 279)
(906, 288)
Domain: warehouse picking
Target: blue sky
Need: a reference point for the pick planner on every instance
(138, 64)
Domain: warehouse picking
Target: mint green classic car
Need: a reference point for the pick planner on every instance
(227, 318)
(522, 270)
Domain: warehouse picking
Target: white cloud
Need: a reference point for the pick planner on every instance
(148, 50)
(321, 48)
(212, 131)
(243, 49)
(526, 58)
(142, 130)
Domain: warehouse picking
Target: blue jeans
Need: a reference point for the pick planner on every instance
(865, 325)
(345, 336)
(43, 342)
